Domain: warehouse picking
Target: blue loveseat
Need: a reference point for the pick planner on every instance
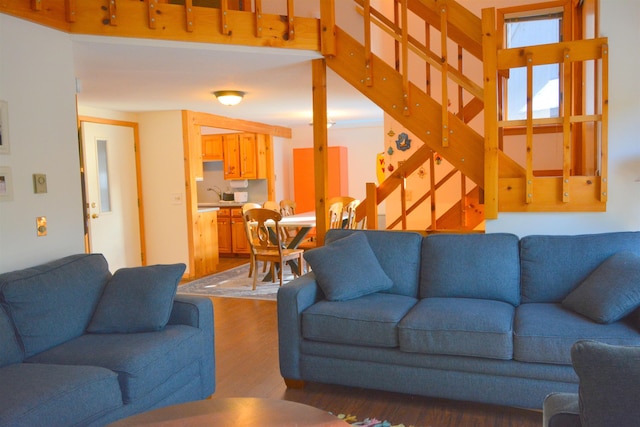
(80, 346)
(478, 317)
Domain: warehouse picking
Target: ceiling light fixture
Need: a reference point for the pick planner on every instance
(229, 97)
(329, 123)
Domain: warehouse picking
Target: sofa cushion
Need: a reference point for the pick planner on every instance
(56, 395)
(143, 361)
(458, 327)
(398, 253)
(609, 377)
(370, 320)
(552, 266)
(347, 268)
(10, 351)
(137, 299)
(484, 266)
(611, 291)
(544, 333)
(53, 303)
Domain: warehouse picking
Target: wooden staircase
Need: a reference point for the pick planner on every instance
(475, 151)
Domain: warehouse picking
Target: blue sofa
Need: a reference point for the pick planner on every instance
(82, 347)
(476, 317)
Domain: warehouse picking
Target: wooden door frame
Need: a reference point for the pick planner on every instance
(136, 144)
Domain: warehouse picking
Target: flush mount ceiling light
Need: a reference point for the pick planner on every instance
(229, 97)
(329, 123)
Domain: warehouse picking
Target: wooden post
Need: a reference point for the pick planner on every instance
(290, 21)
(489, 60)
(445, 76)
(320, 150)
(328, 27)
(372, 206)
(566, 125)
(367, 44)
(529, 136)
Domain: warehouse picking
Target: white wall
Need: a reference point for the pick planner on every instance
(162, 167)
(38, 82)
(619, 22)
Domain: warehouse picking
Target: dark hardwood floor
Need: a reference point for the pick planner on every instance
(247, 365)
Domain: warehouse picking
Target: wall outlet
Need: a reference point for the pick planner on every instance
(41, 226)
(39, 183)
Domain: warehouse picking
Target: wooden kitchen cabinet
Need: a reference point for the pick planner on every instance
(232, 238)
(212, 148)
(240, 156)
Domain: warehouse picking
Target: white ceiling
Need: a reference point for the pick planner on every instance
(135, 75)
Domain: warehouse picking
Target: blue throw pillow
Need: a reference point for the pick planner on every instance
(137, 299)
(611, 291)
(347, 268)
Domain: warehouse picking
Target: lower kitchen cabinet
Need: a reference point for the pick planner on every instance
(232, 238)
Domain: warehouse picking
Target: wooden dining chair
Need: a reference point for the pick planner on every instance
(270, 204)
(245, 208)
(349, 214)
(335, 215)
(263, 225)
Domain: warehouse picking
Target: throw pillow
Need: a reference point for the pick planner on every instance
(347, 268)
(137, 299)
(609, 377)
(611, 291)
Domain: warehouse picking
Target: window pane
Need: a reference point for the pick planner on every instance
(546, 88)
(103, 176)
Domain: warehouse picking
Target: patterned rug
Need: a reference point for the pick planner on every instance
(235, 283)
(367, 422)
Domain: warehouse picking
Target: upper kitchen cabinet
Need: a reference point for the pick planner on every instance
(242, 157)
(212, 148)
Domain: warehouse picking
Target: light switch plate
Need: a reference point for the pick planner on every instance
(39, 183)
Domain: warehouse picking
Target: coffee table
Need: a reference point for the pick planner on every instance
(236, 412)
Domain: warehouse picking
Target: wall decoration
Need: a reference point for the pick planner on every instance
(391, 132)
(390, 150)
(403, 143)
(437, 158)
(421, 172)
(4, 127)
(380, 167)
(6, 184)
(390, 168)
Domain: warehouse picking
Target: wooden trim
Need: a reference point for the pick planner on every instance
(222, 122)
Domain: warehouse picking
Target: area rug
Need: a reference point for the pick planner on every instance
(368, 422)
(235, 283)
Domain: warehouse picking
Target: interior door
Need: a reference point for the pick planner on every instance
(111, 192)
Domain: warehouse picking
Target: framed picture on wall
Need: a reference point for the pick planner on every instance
(6, 185)
(4, 127)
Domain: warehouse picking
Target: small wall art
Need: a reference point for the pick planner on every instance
(6, 184)
(4, 127)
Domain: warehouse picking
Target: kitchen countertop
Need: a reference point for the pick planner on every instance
(221, 204)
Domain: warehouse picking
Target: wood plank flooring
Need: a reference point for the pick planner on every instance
(246, 342)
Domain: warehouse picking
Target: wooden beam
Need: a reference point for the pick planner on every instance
(320, 148)
(222, 122)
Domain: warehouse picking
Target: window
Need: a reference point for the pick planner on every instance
(531, 31)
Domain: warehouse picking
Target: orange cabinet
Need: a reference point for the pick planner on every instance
(303, 176)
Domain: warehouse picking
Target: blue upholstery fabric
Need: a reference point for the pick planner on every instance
(484, 266)
(609, 378)
(338, 267)
(611, 291)
(459, 326)
(66, 395)
(544, 333)
(143, 361)
(53, 303)
(553, 266)
(370, 320)
(10, 351)
(397, 252)
(137, 299)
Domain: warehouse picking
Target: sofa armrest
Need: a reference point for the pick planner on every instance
(293, 299)
(198, 312)
(561, 410)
